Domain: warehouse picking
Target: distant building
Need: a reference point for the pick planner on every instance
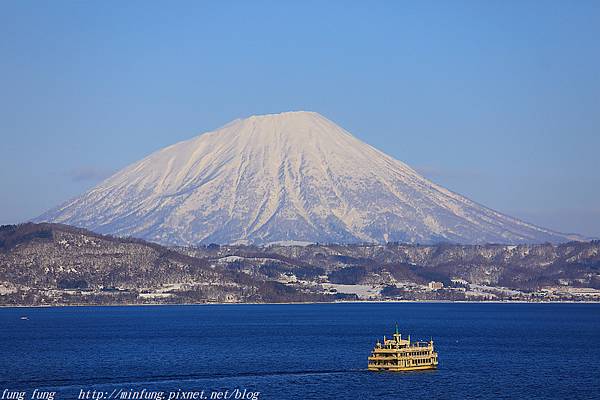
(458, 281)
(435, 285)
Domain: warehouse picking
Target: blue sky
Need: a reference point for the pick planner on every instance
(496, 100)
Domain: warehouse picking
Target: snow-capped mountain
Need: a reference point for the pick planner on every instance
(294, 176)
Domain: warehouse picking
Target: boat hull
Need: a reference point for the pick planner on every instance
(401, 369)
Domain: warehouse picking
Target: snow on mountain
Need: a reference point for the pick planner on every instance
(294, 176)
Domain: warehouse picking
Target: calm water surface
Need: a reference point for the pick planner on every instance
(318, 351)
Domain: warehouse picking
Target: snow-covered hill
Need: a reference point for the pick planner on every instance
(294, 176)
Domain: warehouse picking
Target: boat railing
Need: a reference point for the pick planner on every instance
(399, 354)
(420, 344)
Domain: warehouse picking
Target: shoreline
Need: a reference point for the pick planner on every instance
(303, 303)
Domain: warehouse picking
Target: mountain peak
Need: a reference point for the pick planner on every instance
(289, 122)
(293, 176)
(299, 114)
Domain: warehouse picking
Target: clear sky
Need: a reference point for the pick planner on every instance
(496, 100)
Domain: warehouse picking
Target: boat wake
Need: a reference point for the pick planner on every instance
(161, 379)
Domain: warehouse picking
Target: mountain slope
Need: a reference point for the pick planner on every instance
(58, 264)
(290, 176)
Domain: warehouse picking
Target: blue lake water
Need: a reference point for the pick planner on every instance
(313, 351)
